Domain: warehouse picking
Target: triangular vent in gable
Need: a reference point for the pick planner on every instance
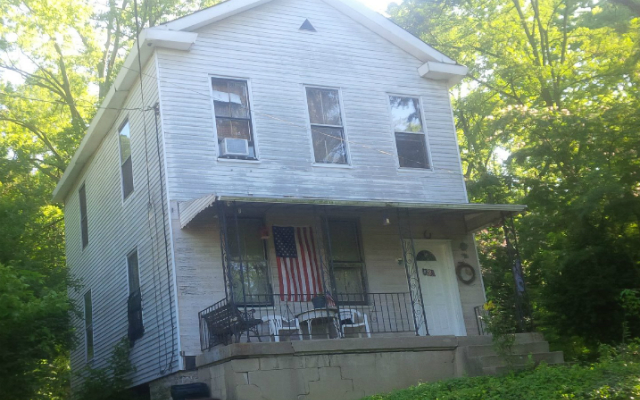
(306, 26)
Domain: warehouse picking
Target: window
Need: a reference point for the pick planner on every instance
(327, 130)
(82, 194)
(233, 119)
(348, 264)
(126, 167)
(411, 140)
(88, 325)
(255, 271)
(134, 303)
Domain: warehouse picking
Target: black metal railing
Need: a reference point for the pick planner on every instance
(355, 315)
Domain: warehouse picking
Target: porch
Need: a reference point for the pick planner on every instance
(382, 269)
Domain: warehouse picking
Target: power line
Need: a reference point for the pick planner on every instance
(62, 103)
(342, 139)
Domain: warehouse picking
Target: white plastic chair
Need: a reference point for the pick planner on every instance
(277, 324)
(357, 320)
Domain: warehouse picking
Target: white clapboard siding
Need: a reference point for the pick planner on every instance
(201, 278)
(115, 229)
(266, 46)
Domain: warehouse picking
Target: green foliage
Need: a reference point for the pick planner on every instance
(35, 336)
(549, 118)
(614, 377)
(111, 382)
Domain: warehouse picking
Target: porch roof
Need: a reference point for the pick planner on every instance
(476, 215)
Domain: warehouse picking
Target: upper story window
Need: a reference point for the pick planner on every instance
(411, 141)
(348, 263)
(327, 129)
(233, 119)
(134, 303)
(88, 325)
(250, 278)
(126, 167)
(82, 194)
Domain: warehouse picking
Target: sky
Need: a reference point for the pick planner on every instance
(379, 5)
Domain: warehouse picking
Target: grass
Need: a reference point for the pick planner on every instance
(616, 376)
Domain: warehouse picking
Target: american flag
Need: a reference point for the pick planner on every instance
(297, 260)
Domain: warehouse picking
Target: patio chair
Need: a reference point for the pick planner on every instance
(277, 324)
(350, 318)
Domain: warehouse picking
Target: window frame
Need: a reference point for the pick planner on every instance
(88, 358)
(125, 197)
(310, 125)
(362, 262)
(424, 132)
(84, 218)
(252, 120)
(129, 291)
(265, 249)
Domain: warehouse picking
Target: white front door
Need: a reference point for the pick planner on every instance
(439, 285)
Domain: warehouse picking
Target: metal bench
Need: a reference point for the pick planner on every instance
(224, 320)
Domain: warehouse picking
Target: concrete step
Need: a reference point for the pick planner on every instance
(516, 349)
(520, 338)
(555, 357)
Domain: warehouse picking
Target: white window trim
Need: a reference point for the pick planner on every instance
(425, 132)
(86, 206)
(125, 200)
(126, 263)
(251, 115)
(93, 336)
(348, 164)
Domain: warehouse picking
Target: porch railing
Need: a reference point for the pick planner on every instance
(279, 318)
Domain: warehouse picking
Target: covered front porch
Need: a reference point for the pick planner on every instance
(306, 269)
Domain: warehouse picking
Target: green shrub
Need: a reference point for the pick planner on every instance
(615, 377)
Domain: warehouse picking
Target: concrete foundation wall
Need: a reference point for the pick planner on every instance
(325, 369)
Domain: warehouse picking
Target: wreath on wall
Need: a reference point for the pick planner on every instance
(466, 273)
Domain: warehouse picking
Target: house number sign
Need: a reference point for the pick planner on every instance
(428, 272)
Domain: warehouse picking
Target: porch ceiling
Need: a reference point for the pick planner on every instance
(476, 215)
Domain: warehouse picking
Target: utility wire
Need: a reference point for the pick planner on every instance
(342, 139)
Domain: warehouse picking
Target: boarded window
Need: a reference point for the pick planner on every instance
(411, 140)
(84, 227)
(88, 325)
(233, 118)
(327, 128)
(126, 166)
(348, 263)
(134, 303)
(251, 277)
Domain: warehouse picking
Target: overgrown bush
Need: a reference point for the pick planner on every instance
(614, 377)
(111, 382)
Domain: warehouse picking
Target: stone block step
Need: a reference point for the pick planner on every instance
(555, 357)
(516, 349)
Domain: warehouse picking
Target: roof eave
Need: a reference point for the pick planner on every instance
(114, 100)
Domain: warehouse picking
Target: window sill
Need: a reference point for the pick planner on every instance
(415, 170)
(238, 160)
(327, 165)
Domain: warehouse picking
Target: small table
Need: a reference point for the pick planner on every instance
(320, 314)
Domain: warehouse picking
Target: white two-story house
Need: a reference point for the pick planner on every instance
(270, 203)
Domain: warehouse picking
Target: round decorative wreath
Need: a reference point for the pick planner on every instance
(465, 272)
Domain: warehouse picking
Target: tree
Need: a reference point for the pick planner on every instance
(548, 118)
